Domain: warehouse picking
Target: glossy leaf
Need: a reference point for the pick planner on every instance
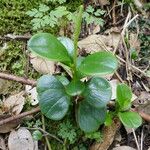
(53, 100)
(48, 46)
(69, 45)
(75, 87)
(100, 63)
(63, 80)
(130, 119)
(90, 118)
(97, 92)
(124, 95)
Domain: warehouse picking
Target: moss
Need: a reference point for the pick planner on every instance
(12, 15)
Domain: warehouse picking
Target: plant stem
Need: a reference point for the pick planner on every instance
(76, 37)
(64, 147)
(46, 138)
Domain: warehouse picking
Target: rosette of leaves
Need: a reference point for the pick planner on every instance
(56, 95)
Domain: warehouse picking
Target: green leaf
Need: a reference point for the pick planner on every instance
(53, 100)
(108, 120)
(100, 63)
(124, 95)
(90, 118)
(48, 46)
(97, 92)
(130, 119)
(43, 8)
(69, 45)
(90, 9)
(37, 135)
(75, 87)
(63, 80)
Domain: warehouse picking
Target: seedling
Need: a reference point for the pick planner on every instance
(56, 94)
(123, 105)
(129, 118)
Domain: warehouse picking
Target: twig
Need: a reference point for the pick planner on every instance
(109, 133)
(15, 37)
(142, 139)
(114, 12)
(22, 115)
(144, 116)
(17, 78)
(46, 133)
(46, 138)
(136, 141)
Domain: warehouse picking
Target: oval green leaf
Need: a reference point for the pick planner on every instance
(90, 118)
(75, 87)
(69, 45)
(97, 92)
(130, 119)
(124, 95)
(48, 46)
(100, 63)
(53, 100)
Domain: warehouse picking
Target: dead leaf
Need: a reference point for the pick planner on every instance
(2, 143)
(114, 84)
(103, 2)
(7, 127)
(142, 103)
(142, 99)
(41, 65)
(4, 86)
(123, 148)
(32, 94)
(95, 43)
(14, 104)
(20, 140)
(134, 42)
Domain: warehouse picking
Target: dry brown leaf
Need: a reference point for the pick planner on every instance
(4, 86)
(32, 94)
(7, 127)
(114, 84)
(103, 2)
(2, 143)
(95, 43)
(134, 42)
(14, 104)
(142, 103)
(42, 65)
(123, 148)
(20, 140)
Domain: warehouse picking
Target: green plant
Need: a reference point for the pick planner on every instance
(94, 135)
(37, 135)
(129, 118)
(92, 16)
(59, 16)
(89, 98)
(67, 132)
(123, 104)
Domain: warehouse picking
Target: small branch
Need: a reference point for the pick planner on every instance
(46, 138)
(46, 134)
(109, 133)
(22, 115)
(9, 37)
(17, 78)
(136, 141)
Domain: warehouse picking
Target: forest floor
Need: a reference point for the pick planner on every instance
(125, 32)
